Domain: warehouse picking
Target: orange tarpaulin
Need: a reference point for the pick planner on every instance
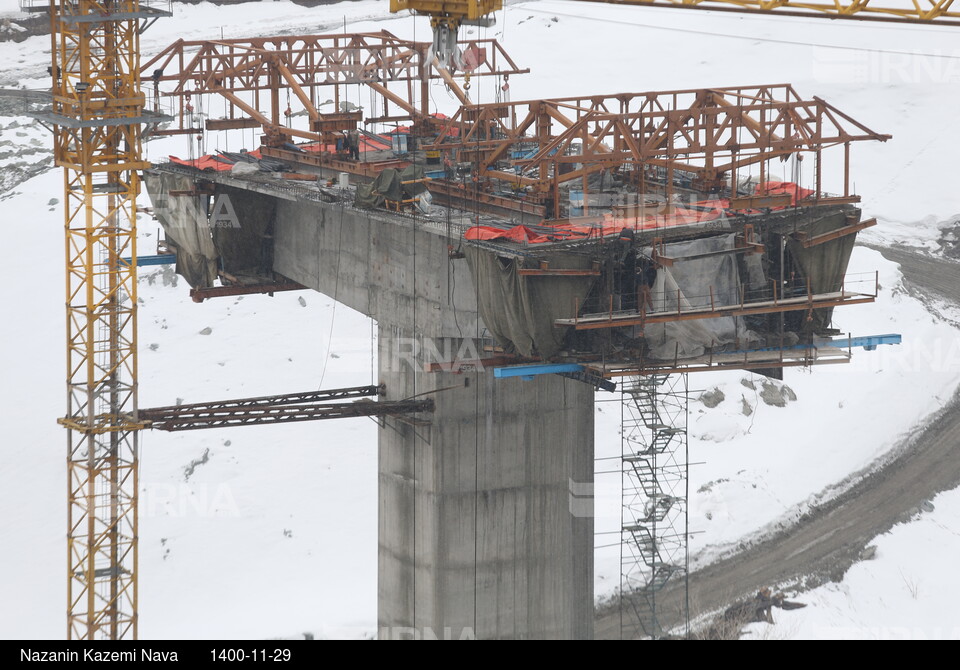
(609, 224)
(209, 162)
(601, 227)
(204, 163)
(781, 187)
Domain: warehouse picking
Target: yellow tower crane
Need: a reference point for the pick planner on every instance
(96, 118)
(446, 16)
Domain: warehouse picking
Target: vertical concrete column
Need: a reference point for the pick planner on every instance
(479, 533)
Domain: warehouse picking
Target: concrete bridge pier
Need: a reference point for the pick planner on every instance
(479, 533)
(476, 534)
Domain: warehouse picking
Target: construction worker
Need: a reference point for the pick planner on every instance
(353, 144)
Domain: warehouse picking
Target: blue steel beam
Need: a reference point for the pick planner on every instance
(163, 259)
(868, 342)
(531, 370)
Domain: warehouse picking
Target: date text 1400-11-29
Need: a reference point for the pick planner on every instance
(250, 655)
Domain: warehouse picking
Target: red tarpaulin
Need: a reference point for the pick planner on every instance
(781, 187)
(209, 162)
(205, 163)
(608, 224)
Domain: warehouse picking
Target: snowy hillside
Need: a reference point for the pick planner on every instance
(271, 531)
(906, 590)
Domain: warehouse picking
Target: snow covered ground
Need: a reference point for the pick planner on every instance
(906, 591)
(271, 531)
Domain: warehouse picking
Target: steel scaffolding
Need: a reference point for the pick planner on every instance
(96, 116)
(653, 536)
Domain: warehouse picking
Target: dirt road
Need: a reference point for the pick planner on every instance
(926, 274)
(829, 539)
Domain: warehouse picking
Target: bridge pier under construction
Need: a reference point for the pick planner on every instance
(485, 509)
(571, 241)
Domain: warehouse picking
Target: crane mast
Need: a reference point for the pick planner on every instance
(96, 117)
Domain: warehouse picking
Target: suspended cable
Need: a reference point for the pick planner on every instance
(336, 290)
(750, 38)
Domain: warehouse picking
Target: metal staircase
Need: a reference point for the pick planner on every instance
(653, 546)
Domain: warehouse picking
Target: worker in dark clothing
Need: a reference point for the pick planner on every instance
(353, 144)
(448, 171)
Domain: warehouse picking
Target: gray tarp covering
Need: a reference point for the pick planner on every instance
(825, 263)
(755, 279)
(519, 311)
(690, 282)
(389, 186)
(242, 223)
(184, 220)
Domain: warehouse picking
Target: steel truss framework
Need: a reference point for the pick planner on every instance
(177, 419)
(534, 146)
(251, 74)
(711, 133)
(653, 540)
(286, 408)
(96, 114)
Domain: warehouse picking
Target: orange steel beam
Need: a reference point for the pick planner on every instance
(298, 91)
(675, 367)
(320, 160)
(613, 320)
(707, 132)
(537, 272)
(306, 63)
(807, 242)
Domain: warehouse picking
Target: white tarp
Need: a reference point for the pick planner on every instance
(695, 283)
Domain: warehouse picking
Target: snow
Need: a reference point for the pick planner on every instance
(272, 501)
(928, 234)
(908, 590)
(10, 8)
(275, 533)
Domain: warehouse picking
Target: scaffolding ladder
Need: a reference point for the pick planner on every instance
(653, 536)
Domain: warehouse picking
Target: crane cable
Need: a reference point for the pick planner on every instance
(771, 40)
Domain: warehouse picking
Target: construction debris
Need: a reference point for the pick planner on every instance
(759, 608)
